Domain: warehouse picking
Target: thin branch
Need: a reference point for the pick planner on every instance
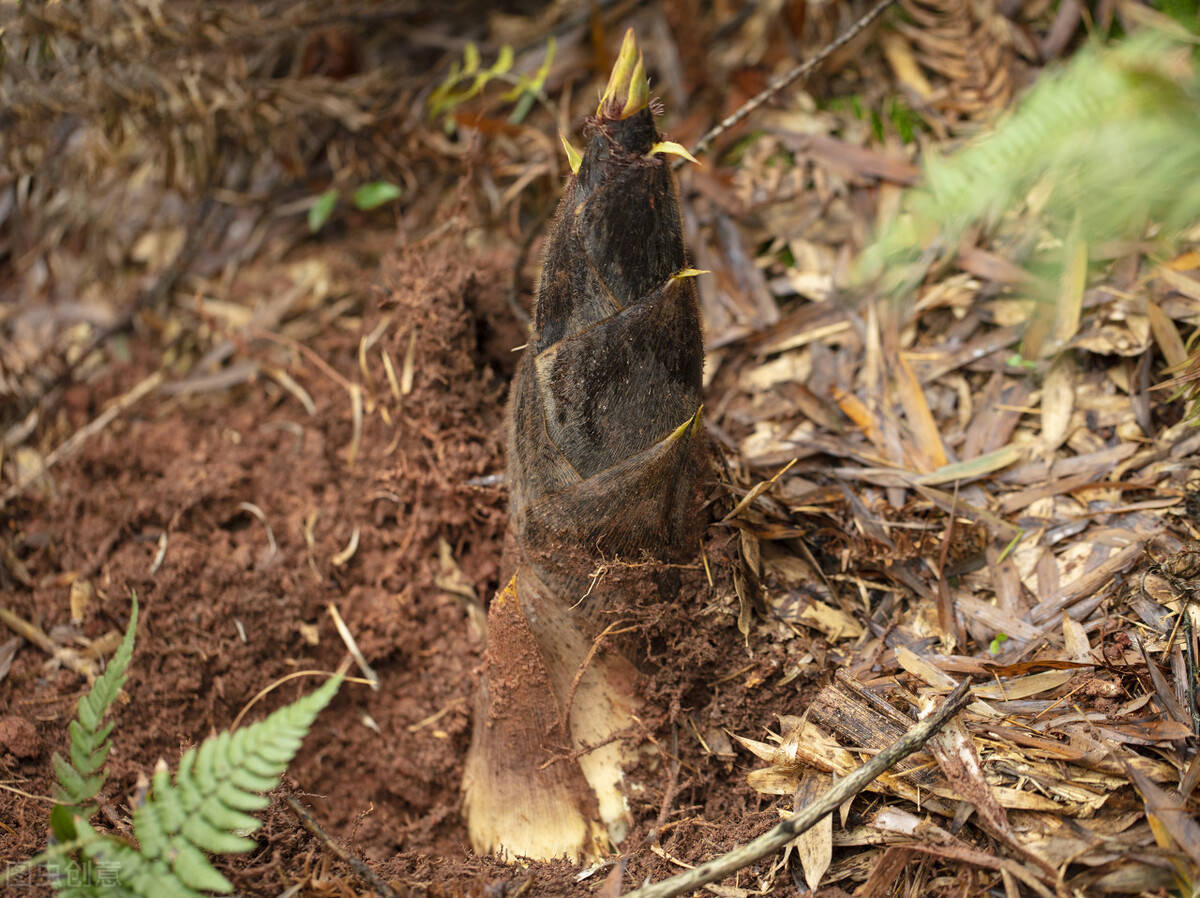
(775, 839)
(358, 865)
(787, 79)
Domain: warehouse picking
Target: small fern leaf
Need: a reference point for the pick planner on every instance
(89, 711)
(153, 837)
(187, 792)
(195, 871)
(157, 880)
(252, 782)
(233, 797)
(226, 818)
(205, 808)
(168, 802)
(71, 785)
(81, 778)
(200, 832)
(88, 755)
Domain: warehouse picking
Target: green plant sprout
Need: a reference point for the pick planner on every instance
(365, 198)
(468, 80)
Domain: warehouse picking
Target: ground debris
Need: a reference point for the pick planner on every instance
(917, 495)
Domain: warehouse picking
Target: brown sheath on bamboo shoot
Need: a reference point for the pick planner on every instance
(607, 456)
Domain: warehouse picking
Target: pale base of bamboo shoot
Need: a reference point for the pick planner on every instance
(544, 777)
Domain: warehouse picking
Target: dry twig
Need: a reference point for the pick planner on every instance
(357, 864)
(772, 841)
(786, 80)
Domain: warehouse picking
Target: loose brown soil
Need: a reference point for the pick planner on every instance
(201, 505)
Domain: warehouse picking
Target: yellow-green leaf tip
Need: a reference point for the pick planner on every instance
(628, 90)
(686, 428)
(671, 148)
(573, 157)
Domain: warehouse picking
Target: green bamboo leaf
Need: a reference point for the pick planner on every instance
(470, 58)
(504, 61)
(522, 108)
(539, 79)
(321, 209)
(373, 195)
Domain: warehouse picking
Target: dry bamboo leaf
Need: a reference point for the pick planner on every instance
(833, 622)
(929, 439)
(1075, 640)
(774, 780)
(1162, 689)
(1022, 800)
(763, 750)
(1074, 279)
(815, 845)
(994, 619)
(924, 670)
(1166, 335)
(974, 468)
(1058, 402)
(899, 55)
(757, 490)
(1023, 687)
(1177, 280)
(1171, 813)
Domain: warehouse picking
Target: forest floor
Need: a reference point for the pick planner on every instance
(311, 426)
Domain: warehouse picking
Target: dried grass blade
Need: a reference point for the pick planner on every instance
(920, 418)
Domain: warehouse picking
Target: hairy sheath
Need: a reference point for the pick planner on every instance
(607, 457)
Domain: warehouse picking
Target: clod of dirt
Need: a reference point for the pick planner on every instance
(19, 737)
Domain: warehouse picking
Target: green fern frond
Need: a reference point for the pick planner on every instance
(204, 809)
(81, 777)
(1112, 140)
